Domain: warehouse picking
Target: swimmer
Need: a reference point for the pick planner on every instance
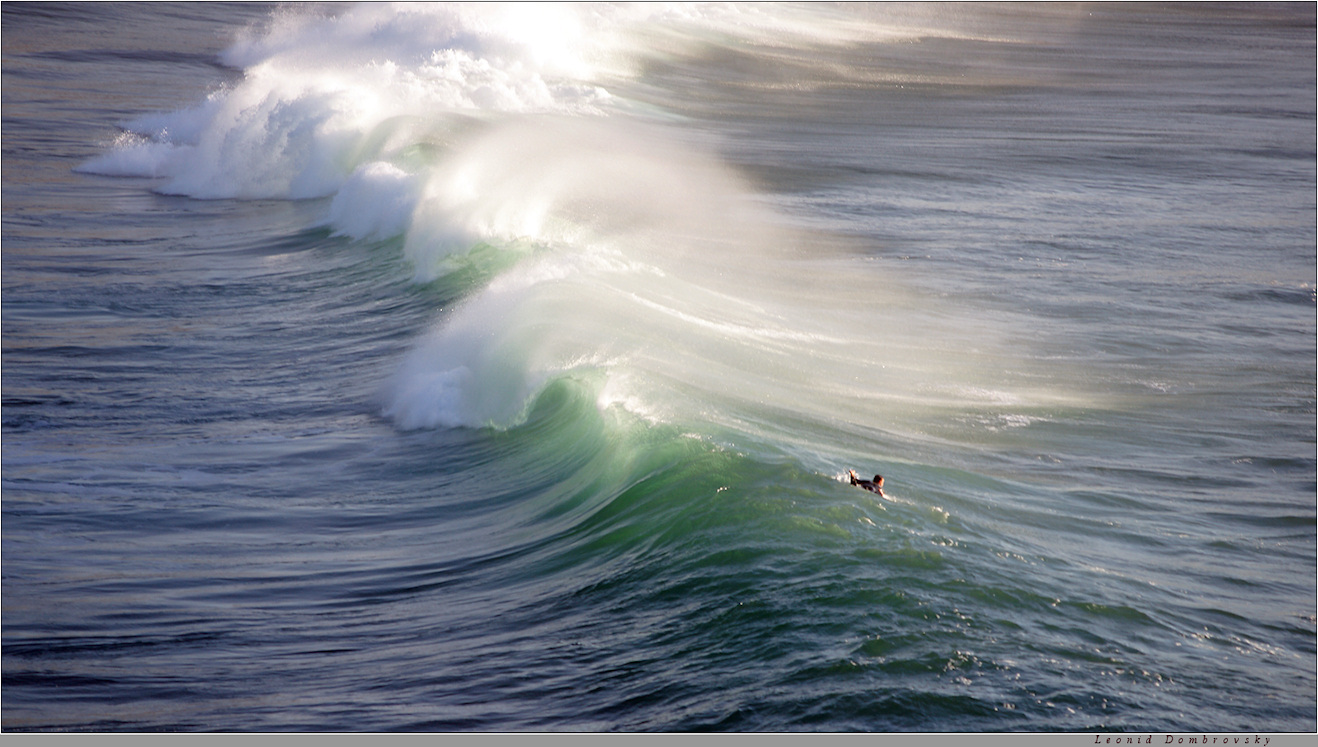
(874, 486)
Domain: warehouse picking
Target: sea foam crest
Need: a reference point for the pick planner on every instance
(317, 91)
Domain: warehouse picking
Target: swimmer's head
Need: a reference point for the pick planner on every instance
(878, 480)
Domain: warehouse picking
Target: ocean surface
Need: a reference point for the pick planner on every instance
(500, 368)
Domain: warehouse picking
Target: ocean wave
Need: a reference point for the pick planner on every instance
(613, 245)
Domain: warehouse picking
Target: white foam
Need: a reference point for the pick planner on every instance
(315, 89)
(376, 202)
(133, 155)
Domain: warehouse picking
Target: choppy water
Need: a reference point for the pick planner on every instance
(499, 368)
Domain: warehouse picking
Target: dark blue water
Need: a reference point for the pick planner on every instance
(499, 369)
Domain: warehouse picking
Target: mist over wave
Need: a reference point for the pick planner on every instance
(603, 242)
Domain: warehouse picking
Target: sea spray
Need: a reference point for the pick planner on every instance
(323, 93)
(633, 251)
(610, 242)
(632, 245)
(315, 89)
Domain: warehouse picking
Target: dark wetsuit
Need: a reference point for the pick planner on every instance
(873, 487)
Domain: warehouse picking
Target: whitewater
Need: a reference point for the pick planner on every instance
(499, 367)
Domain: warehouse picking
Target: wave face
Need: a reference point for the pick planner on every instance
(524, 350)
